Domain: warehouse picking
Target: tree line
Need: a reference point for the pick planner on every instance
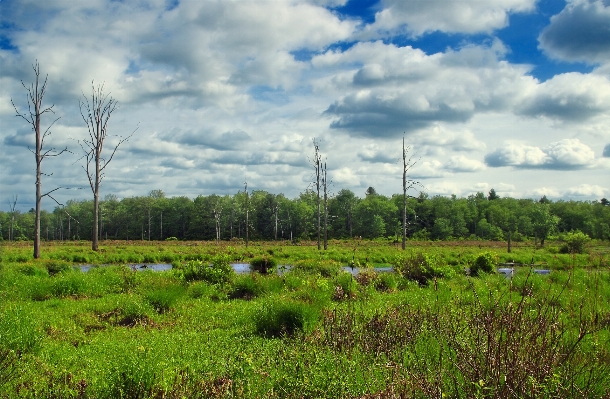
(266, 216)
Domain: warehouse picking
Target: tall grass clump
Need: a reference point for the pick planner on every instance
(163, 299)
(285, 318)
(247, 287)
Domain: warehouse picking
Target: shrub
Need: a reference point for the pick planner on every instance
(422, 267)
(263, 264)
(278, 319)
(199, 290)
(366, 276)
(575, 242)
(386, 282)
(485, 262)
(57, 266)
(345, 286)
(219, 271)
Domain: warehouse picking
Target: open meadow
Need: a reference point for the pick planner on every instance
(303, 323)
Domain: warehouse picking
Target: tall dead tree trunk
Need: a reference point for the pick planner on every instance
(96, 113)
(407, 184)
(325, 185)
(276, 209)
(35, 95)
(317, 163)
(247, 211)
(217, 214)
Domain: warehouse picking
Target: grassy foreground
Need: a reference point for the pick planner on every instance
(199, 330)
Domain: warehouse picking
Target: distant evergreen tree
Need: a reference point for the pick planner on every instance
(492, 195)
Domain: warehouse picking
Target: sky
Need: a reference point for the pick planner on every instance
(512, 95)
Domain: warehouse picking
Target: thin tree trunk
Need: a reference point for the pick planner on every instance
(325, 207)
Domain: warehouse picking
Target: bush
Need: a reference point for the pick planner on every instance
(422, 267)
(57, 266)
(263, 264)
(366, 276)
(219, 271)
(575, 242)
(485, 262)
(345, 286)
(386, 282)
(278, 319)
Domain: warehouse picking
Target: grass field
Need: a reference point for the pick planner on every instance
(200, 330)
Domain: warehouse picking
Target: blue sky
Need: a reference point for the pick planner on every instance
(506, 94)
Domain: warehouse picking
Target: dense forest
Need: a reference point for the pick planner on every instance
(275, 217)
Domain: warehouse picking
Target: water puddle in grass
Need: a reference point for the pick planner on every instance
(355, 270)
(509, 272)
(157, 267)
(240, 268)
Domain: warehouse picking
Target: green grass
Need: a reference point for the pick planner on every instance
(311, 332)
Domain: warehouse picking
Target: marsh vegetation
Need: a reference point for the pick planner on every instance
(199, 330)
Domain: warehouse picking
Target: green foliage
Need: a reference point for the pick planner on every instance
(132, 376)
(68, 285)
(20, 330)
(485, 262)
(162, 299)
(134, 311)
(575, 242)
(57, 266)
(386, 282)
(345, 286)
(108, 336)
(285, 318)
(219, 271)
(247, 287)
(322, 268)
(263, 264)
(422, 267)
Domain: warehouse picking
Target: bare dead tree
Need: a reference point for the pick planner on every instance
(276, 209)
(217, 214)
(325, 188)
(407, 184)
(247, 211)
(35, 95)
(96, 113)
(317, 164)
